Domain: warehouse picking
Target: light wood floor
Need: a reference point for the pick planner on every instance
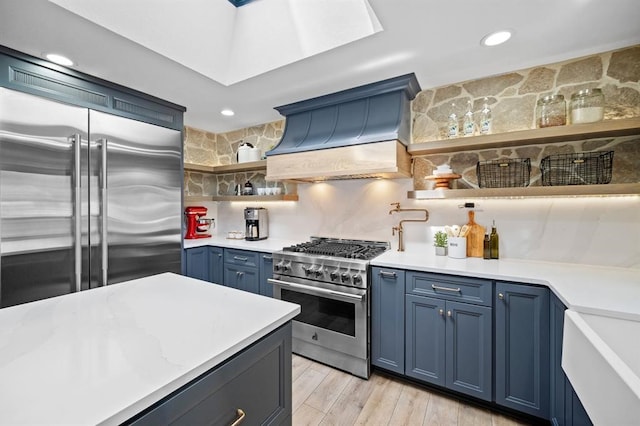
(325, 396)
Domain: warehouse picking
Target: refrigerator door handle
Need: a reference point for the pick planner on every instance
(102, 143)
(77, 209)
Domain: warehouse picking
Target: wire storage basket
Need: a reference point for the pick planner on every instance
(504, 173)
(580, 168)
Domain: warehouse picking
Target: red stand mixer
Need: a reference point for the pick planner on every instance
(197, 225)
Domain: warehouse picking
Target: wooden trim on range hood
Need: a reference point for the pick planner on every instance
(387, 159)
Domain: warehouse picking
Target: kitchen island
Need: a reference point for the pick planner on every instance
(104, 355)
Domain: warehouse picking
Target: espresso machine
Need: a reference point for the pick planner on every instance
(257, 223)
(197, 224)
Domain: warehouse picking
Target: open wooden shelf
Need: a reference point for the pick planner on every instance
(532, 191)
(235, 168)
(608, 128)
(246, 198)
(227, 168)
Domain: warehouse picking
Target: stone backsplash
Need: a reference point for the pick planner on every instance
(512, 98)
(626, 160)
(211, 149)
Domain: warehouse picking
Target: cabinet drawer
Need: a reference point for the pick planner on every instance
(257, 381)
(241, 257)
(449, 287)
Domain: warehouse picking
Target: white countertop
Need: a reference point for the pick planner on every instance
(268, 245)
(101, 356)
(588, 289)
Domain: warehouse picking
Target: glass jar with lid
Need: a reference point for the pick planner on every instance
(551, 111)
(587, 106)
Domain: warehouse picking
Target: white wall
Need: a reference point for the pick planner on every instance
(596, 231)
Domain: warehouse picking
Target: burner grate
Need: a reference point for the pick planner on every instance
(346, 249)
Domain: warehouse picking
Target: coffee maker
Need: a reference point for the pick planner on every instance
(197, 225)
(257, 223)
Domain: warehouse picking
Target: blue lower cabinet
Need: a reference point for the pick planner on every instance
(266, 272)
(566, 408)
(216, 265)
(197, 263)
(450, 344)
(522, 348)
(387, 319)
(255, 383)
(245, 278)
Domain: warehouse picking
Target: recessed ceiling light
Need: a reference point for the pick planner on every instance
(227, 112)
(496, 38)
(59, 59)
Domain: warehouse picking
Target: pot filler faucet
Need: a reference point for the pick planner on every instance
(399, 228)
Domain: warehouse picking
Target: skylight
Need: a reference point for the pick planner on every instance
(238, 3)
(231, 44)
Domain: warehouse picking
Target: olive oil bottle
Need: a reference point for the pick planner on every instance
(494, 242)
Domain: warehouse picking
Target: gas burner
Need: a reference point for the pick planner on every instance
(349, 249)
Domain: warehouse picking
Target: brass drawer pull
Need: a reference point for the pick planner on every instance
(437, 287)
(386, 274)
(241, 415)
(241, 258)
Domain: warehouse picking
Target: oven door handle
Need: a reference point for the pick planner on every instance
(317, 291)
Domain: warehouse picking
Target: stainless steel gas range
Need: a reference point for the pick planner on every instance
(330, 279)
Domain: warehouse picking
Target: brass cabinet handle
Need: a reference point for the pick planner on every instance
(437, 287)
(386, 274)
(500, 296)
(241, 258)
(449, 314)
(239, 273)
(241, 415)
(441, 311)
(267, 257)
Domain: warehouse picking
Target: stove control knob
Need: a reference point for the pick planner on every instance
(286, 268)
(334, 276)
(319, 272)
(344, 277)
(277, 267)
(307, 270)
(357, 279)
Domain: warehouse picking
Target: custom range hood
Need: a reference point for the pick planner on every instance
(357, 133)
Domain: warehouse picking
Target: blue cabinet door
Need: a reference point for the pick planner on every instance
(387, 319)
(557, 378)
(425, 339)
(522, 348)
(197, 263)
(566, 409)
(469, 349)
(242, 277)
(266, 272)
(216, 265)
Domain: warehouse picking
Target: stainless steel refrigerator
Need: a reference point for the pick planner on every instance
(86, 198)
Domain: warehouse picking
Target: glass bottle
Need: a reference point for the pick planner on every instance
(452, 126)
(485, 118)
(486, 252)
(587, 106)
(494, 242)
(468, 127)
(551, 111)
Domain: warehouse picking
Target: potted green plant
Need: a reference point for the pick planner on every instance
(440, 241)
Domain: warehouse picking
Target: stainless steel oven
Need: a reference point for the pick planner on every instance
(329, 279)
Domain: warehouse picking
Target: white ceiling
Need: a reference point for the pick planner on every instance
(437, 40)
